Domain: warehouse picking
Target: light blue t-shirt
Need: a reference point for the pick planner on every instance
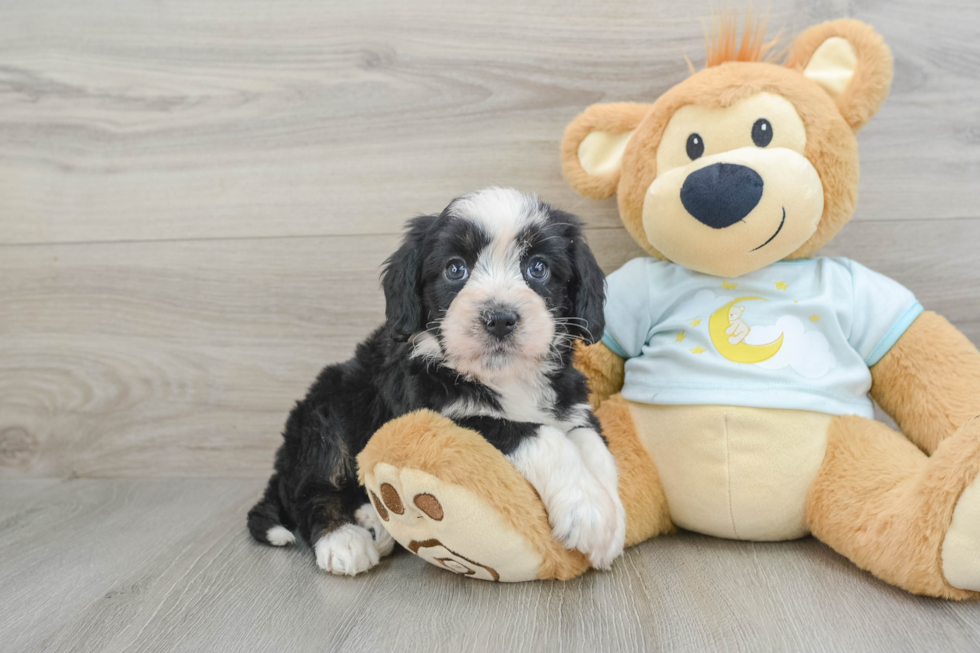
(796, 334)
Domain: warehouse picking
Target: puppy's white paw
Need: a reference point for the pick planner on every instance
(583, 517)
(367, 518)
(600, 462)
(280, 536)
(582, 513)
(619, 537)
(347, 551)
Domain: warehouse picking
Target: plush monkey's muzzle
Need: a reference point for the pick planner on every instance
(734, 212)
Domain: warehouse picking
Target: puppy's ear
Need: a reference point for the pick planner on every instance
(401, 281)
(589, 292)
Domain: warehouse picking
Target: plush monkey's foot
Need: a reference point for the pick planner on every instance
(449, 527)
(912, 520)
(961, 546)
(448, 496)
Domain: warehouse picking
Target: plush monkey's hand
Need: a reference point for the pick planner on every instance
(604, 370)
(929, 382)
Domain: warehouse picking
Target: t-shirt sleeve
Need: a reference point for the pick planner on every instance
(628, 320)
(883, 310)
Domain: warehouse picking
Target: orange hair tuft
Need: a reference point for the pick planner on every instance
(723, 44)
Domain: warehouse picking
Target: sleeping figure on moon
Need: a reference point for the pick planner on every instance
(737, 329)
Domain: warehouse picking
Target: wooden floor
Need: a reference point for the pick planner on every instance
(195, 197)
(161, 565)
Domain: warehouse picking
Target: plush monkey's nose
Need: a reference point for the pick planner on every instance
(721, 194)
(500, 324)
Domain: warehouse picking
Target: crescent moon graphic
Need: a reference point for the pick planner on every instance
(742, 352)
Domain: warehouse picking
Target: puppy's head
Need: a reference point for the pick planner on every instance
(495, 284)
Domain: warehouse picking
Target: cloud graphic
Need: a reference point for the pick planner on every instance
(807, 352)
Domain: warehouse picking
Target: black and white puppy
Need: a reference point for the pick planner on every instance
(483, 304)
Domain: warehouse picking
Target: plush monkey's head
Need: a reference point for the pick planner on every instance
(746, 162)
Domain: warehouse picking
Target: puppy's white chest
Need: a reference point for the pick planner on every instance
(526, 399)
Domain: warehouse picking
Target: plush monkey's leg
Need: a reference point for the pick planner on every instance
(447, 495)
(880, 501)
(640, 488)
(450, 497)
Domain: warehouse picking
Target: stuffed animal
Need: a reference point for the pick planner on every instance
(735, 376)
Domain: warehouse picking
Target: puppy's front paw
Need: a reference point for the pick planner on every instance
(367, 518)
(583, 517)
(602, 465)
(347, 551)
(618, 540)
(582, 512)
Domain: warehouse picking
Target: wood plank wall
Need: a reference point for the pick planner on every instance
(195, 197)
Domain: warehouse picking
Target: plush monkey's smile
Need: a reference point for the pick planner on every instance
(781, 223)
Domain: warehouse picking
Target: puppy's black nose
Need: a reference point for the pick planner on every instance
(721, 194)
(500, 324)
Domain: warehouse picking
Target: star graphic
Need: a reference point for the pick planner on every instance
(814, 318)
(681, 336)
(698, 350)
(782, 285)
(796, 301)
(728, 285)
(696, 322)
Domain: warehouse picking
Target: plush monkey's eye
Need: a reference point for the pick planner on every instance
(762, 132)
(537, 269)
(456, 270)
(695, 146)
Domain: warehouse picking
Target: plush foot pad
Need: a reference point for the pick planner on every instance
(449, 526)
(961, 547)
(347, 551)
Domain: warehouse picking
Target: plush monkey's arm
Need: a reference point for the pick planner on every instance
(603, 369)
(929, 382)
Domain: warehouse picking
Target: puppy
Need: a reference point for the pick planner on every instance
(483, 304)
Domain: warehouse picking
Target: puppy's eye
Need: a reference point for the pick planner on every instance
(537, 269)
(695, 146)
(762, 132)
(456, 270)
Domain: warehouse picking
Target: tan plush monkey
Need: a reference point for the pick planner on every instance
(731, 181)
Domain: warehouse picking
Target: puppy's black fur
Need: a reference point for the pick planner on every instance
(314, 489)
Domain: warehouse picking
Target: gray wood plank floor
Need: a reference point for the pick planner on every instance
(195, 196)
(164, 565)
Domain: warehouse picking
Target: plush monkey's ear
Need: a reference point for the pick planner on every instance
(848, 60)
(401, 281)
(593, 145)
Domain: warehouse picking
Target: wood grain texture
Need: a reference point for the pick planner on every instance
(177, 358)
(167, 565)
(191, 119)
(195, 197)
(183, 358)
